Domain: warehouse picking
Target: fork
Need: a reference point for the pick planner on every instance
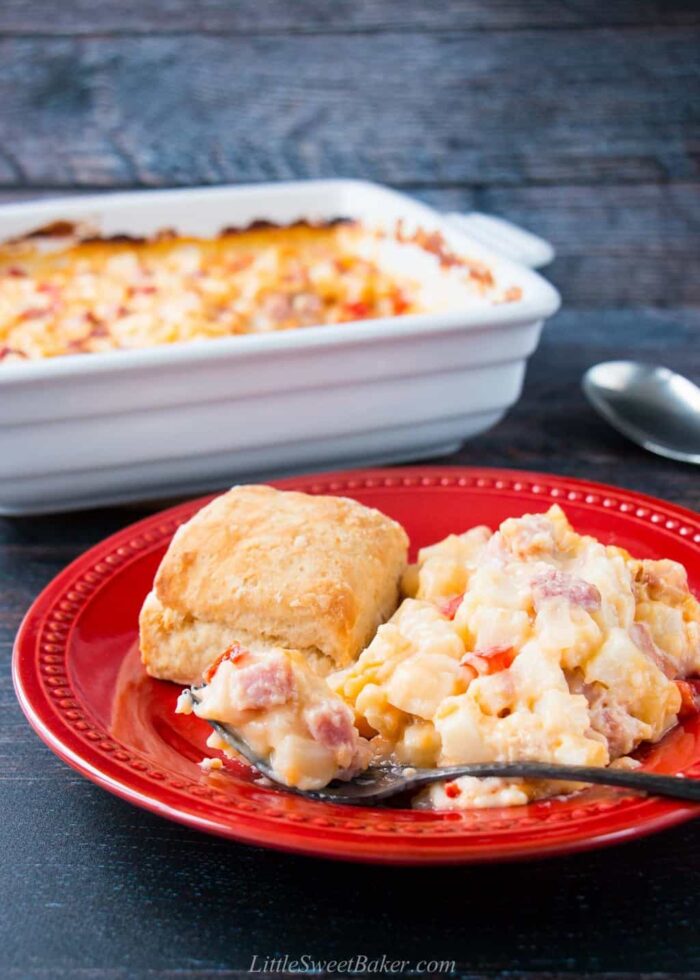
(381, 782)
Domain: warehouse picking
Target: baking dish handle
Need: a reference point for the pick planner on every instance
(504, 237)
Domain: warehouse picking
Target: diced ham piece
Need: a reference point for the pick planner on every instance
(615, 724)
(331, 724)
(265, 684)
(449, 607)
(33, 312)
(11, 352)
(642, 638)
(50, 289)
(302, 306)
(609, 719)
(553, 583)
(277, 307)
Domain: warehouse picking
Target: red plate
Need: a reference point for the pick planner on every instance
(80, 683)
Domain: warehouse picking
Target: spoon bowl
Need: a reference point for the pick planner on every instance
(649, 404)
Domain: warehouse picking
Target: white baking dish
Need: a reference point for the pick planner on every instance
(94, 429)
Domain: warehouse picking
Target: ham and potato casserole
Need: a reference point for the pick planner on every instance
(533, 642)
(285, 712)
(64, 291)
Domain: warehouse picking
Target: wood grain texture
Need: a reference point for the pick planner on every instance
(157, 897)
(528, 107)
(309, 16)
(618, 245)
(539, 111)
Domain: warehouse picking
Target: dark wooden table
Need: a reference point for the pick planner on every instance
(579, 120)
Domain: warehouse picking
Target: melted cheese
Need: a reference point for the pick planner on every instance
(531, 643)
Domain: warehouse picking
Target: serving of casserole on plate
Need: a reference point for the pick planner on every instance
(163, 342)
(540, 619)
(530, 643)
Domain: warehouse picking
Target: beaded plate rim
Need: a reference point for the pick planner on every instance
(62, 719)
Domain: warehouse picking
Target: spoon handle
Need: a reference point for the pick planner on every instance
(675, 787)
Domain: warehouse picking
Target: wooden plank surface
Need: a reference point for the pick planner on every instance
(578, 120)
(304, 16)
(618, 245)
(113, 893)
(528, 107)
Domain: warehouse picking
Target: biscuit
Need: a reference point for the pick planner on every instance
(267, 567)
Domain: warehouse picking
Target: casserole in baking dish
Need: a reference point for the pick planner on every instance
(173, 418)
(65, 290)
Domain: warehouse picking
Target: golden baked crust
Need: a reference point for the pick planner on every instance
(179, 648)
(260, 565)
(63, 295)
(65, 290)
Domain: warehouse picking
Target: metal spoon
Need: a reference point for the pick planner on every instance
(384, 781)
(651, 405)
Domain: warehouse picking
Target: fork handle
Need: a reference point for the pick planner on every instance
(674, 787)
